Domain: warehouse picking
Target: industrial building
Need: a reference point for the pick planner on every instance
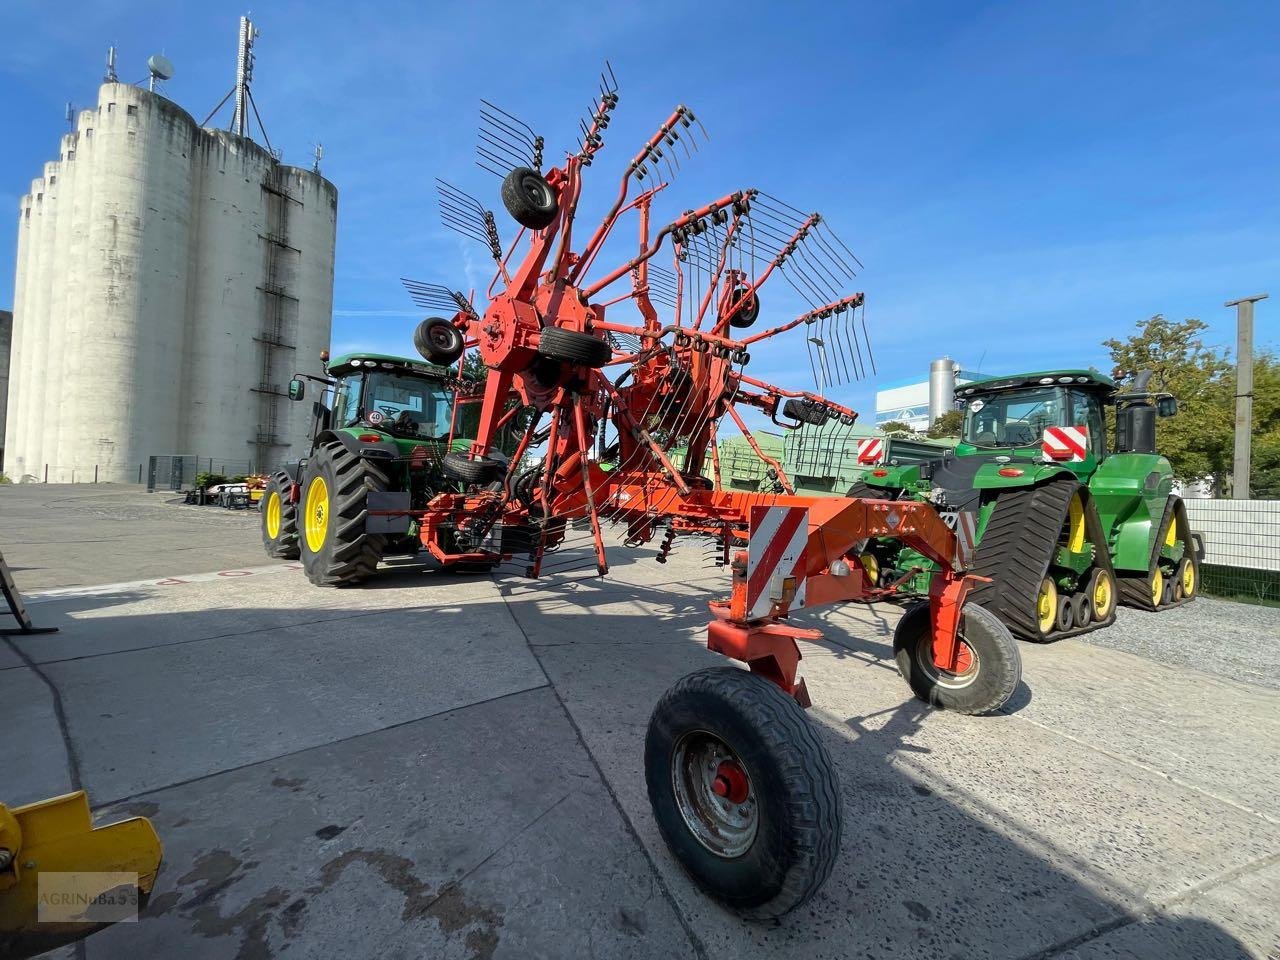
(170, 280)
(917, 403)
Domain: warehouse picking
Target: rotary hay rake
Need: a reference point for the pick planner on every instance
(626, 416)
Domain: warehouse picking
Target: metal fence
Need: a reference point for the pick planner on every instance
(1242, 547)
(173, 472)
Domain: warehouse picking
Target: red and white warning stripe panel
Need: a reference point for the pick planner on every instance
(870, 450)
(965, 527)
(775, 558)
(1070, 444)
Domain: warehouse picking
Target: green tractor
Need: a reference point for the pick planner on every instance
(1065, 524)
(381, 448)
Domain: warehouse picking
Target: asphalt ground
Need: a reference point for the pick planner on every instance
(447, 766)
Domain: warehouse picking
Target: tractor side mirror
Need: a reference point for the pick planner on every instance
(297, 389)
(1167, 406)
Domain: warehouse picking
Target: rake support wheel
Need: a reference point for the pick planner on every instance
(988, 670)
(572, 346)
(529, 198)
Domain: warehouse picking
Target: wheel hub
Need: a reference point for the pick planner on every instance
(714, 794)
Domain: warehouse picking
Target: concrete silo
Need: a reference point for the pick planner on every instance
(170, 279)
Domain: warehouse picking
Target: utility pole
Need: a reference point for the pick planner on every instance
(1240, 468)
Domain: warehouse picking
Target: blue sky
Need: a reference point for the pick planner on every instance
(1021, 180)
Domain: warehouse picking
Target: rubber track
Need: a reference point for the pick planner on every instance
(1017, 546)
(355, 553)
(793, 739)
(1135, 591)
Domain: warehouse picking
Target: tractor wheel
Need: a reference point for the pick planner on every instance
(438, 341)
(529, 198)
(572, 346)
(279, 519)
(1081, 609)
(1102, 595)
(805, 412)
(748, 313)
(336, 550)
(1188, 579)
(743, 791)
(988, 668)
(1167, 596)
(460, 467)
(1046, 608)
(1065, 619)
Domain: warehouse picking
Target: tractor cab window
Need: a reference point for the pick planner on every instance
(345, 411)
(408, 406)
(1086, 411)
(1016, 418)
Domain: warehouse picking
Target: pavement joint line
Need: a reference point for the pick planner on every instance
(224, 636)
(234, 573)
(699, 948)
(129, 798)
(59, 711)
(1146, 912)
(1156, 771)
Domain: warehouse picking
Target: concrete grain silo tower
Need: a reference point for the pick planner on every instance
(170, 280)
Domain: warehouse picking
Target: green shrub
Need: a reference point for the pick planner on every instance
(206, 480)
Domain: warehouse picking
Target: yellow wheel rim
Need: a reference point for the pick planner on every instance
(872, 566)
(273, 515)
(1171, 535)
(1188, 580)
(1157, 587)
(1075, 525)
(317, 513)
(1046, 605)
(1102, 597)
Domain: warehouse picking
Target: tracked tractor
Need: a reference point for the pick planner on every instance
(383, 443)
(1066, 521)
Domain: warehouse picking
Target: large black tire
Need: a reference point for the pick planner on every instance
(336, 551)
(805, 411)
(460, 467)
(748, 313)
(572, 346)
(529, 198)
(785, 834)
(438, 341)
(279, 519)
(993, 673)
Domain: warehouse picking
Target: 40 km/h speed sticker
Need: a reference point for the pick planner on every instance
(375, 417)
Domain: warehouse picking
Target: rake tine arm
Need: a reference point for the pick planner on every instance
(751, 441)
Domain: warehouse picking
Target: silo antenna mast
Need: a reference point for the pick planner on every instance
(243, 90)
(110, 76)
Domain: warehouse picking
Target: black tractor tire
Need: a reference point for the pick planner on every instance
(460, 467)
(1081, 609)
(1065, 619)
(438, 341)
(805, 412)
(279, 518)
(748, 313)
(529, 198)
(572, 346)
(345, 554)
(793, 795)
(996, 667)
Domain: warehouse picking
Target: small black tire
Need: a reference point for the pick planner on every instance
(985, 686)
(793, 794)
(1065, 619)
(279, 518)
(460, 467)
(1081, 609)
(573, 346)
(336, 550)
(805, 411)
(749, 312)
(1168, 595)
(438, 341)
(529, 198)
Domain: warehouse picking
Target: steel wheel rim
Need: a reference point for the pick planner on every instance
(966, 671)
(273, 515)
(1157, 587)
(724, 827)
(1101, 597)
(1046, 605)
(1188, 580)
(317, 512)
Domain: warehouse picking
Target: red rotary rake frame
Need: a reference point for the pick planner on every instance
(626, 414)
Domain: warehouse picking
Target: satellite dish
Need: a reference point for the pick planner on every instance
(161, 67)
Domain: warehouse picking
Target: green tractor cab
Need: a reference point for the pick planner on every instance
(386, 437)
(1066, 521)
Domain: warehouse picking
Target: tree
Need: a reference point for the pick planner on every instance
(1199, 440)
(948, 425)
(896, 426)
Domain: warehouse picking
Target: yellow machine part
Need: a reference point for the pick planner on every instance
(58, 836)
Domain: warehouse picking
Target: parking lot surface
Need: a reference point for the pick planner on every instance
(450, 766)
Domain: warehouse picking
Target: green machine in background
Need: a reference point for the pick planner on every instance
(1064, 520)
